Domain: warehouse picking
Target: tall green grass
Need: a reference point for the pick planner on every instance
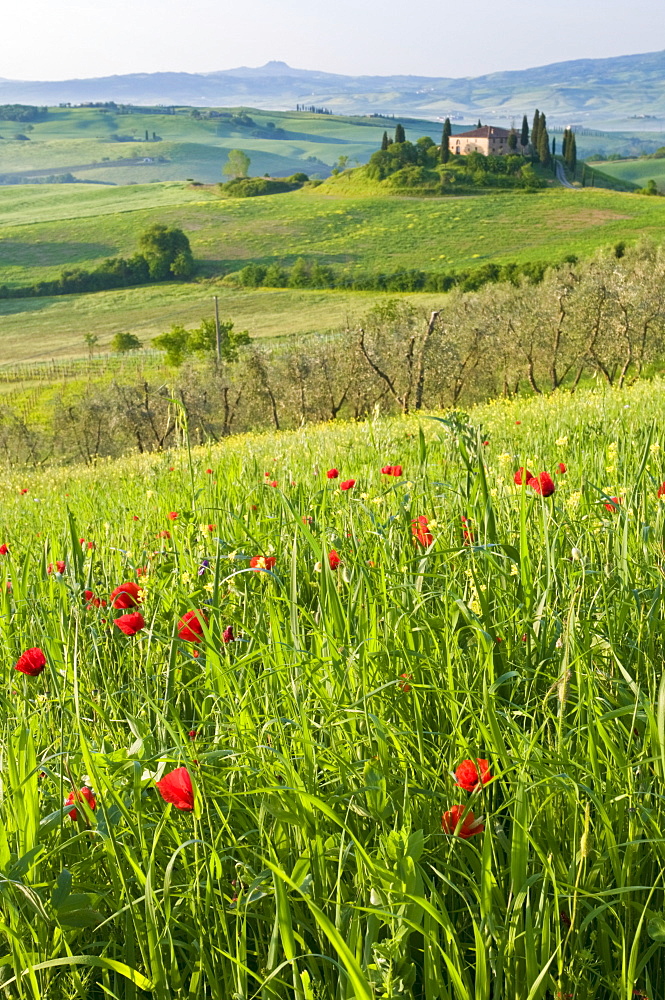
(322, 741)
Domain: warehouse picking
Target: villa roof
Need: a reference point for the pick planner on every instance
(484, 132)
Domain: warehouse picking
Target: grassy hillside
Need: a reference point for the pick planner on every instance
(358, 233)
(637, 171)
(80, 141)
(48, 228)
(44, 328)
(267, 736)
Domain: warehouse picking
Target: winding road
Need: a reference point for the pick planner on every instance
(561, 176)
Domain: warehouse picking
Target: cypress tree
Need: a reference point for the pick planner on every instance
(571, 153)
(480, 124)
(543, 146)
(384, 141)
(512, 140)
(535, 132)
(524, 137)
(400, 135)
(554, 156)
(445, 141)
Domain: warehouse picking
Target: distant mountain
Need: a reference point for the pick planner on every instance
(620, 92)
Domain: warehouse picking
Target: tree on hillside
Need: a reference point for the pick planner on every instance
(512, 140)
(544, 144)
(384, 142)
(179, 343)
(445, 141)
(535, 132)
(122, 343)
(167, 252)
(400, 134)
(237, 164)
(570, 152)
(524, 136)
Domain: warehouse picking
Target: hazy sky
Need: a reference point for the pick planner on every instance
(57, 39)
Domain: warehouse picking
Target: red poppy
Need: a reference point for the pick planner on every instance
(347, 484)
(127, 595)
(518, 421)
(273, 483)
(172, 515)
(164, 534)
(613, 505)
(83, 793)
(192, 734)
(4, 549)
(467, 823)
(472, 773)
(403, 684)
(522, 475)
(141, 570)
(32, 662)
(543, 484)
(332, 473)
(190, 626)
(661, 490)
(262, 562)
(92, 601)
(209, 471)
(227, 634)
(211, 527)
(392, 470)
(176, 788)
(333, 559)
(420, 532)
(130, 624)
(561, 468)
(58, 567)
(23, 491)
(135, 517)
(467, 533)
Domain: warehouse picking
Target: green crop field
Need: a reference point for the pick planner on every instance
(401, 739)
(638, 171)
(53, 227)
(79, 141)
(44, 328)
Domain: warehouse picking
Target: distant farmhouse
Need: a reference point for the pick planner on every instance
(489, 139)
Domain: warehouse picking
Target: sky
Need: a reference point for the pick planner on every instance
(65, 39)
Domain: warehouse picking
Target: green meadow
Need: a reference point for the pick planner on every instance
(79, 141)
(638, 171)
(341, 736)
(49, 228)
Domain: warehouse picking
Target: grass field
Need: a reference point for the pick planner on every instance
(310, 716)
(78, 141)
(53, 227)
(71, 138)
(38, 329)
(639, 171)
(358, 233)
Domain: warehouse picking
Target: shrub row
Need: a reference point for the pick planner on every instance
(307, 274)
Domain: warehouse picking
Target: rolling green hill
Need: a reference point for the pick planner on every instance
(637, 171)
(51, 227)
(101, 146)
(81, 141)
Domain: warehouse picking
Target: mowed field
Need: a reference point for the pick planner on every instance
(275, 733)
(79, 141)
(47, 229)
(638, 171)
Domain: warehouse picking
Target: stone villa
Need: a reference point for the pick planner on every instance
(489, 139)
